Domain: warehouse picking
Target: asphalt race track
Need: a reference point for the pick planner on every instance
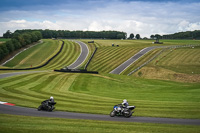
(4, 75)
(134, 58)
(15, 110)
(82, 57)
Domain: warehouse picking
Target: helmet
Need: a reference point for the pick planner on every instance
(124, 101)
(51, 97)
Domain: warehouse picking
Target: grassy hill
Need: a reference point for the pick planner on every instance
(39, 54)
(153, 89)
(108, 58)
(179, 64)
(35, 55)
(68, 55)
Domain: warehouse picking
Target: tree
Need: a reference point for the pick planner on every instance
(38, 34)
(33, 37)
(10, 46)
(3, 51)
(137, 36)
(16, 44)
(120, 36)
(27, 38)
(131, 36)
(157, 36)
(8, 34)
(152, 36)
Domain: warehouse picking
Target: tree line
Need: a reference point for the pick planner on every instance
(74, 34)
(180, 35)
(18, 41)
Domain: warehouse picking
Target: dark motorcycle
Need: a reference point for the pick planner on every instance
(47, 106)
(118, 110)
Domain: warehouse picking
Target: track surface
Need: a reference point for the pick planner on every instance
(82, 57)
(4, 75)
(134, 58)
(15, 110)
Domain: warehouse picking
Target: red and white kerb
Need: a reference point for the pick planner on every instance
(6, 103)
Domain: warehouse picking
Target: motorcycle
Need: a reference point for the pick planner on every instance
(47, 106)
(118, 110)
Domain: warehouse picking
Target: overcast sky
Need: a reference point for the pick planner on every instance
(144, 17)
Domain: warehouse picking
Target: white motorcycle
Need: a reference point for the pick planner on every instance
(118, 110)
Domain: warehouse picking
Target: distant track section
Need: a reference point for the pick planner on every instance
(82, 57)
(5, 75)
(134, 58)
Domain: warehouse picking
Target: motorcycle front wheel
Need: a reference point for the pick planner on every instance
(112, 113)
(128, 113)
(40, 108)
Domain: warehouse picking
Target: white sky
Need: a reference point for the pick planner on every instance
(138, 17)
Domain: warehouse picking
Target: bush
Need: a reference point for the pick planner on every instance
(10, 46)
(3, 51)
(16, 44)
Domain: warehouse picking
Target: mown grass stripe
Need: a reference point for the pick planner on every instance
(24, 82)
(107, 63)
(66, 57)
(104, 58)
(33, 55)
(60, 58)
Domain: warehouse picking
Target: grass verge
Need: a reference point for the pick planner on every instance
(34, 56)
(13, 123)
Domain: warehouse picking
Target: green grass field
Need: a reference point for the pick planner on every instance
(41, 124)
(90, 93)
(68, 55)
(34, 56)
(108, 58)
(183, 60)
(153, 89)
(39, 54)
(180, 64)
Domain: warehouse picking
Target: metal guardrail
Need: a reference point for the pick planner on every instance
(90, 58)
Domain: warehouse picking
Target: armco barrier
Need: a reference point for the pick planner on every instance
(32, 68)
(76, 71)
(90, 58)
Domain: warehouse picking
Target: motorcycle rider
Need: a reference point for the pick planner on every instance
(123, 105)
(49, 102)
